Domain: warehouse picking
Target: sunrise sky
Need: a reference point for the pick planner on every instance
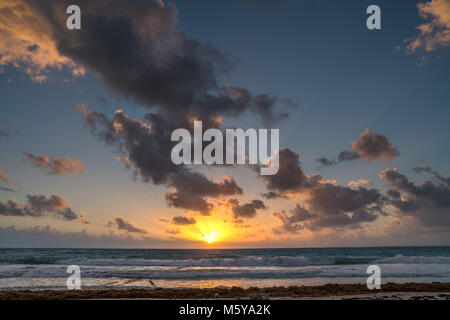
(86, 117)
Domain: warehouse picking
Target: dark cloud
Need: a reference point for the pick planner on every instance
(7, 189)
(41, 203)
(247, 210)
(122, 224)
(147, 149)
(183, 221)
(294, 222)
(39, 206)
(427, 201)
(436, 175)
(330, 200)
(331, 206)
(55, 204)
(273, 195)
(160, 67)
(422, 169)
(326, 162)
(156, 64)
(190, 190)
(327, 204)
(67, 214)
(290, 176)
(393, 194)
(58, 166)
(370, 146)
(12, 208)
(262, 104)
(173, 231)
(347, 155)
(335, 206)
(188, 202)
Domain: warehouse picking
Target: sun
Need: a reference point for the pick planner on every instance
(209, 237)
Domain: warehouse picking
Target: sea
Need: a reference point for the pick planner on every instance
(39, 269)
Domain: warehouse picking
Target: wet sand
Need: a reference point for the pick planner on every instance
(389, 291)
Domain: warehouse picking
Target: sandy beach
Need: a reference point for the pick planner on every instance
(389, 291)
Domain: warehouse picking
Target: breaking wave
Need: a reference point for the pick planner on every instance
(239, 262)
(249, 261)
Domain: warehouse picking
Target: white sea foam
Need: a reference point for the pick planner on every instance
(240, 262)
(167, 272)
(415, 260)
(282, 261)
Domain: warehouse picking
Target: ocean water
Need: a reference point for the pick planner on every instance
(38, 269)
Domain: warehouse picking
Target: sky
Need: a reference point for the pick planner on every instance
(86, 117)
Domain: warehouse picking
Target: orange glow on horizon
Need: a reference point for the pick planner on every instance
(209, 237)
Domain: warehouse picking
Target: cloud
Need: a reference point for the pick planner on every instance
(147, 31)
(436, 175)
(48, 236)
(358, 183)
(435, 32)
(327, 204)
(345, 155)
(291, 223)
(290, 176)
(274, 195)
(261, 104)
(428, 202)
(26, 46)
(11, 208)
(58, 166)
(348, 213)
(173, 231)
(147, 147)
(183, 221)
(4, 177)
(39, 206)
(157, 66)
(190, 190)
(369, 146)
(247, 210)
(122, 224)
(83, 218)
(338, 206)
(124, 160)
